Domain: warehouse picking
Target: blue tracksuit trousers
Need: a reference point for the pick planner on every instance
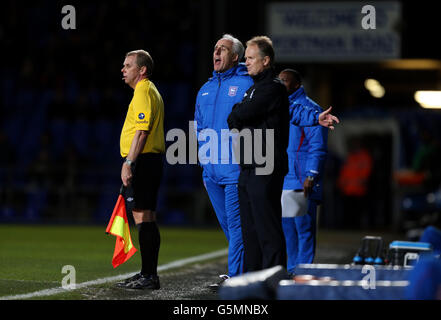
(300, 234)
(225, 201)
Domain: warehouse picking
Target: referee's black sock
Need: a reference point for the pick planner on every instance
(149, 242)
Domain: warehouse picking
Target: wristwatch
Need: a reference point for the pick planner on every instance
(129, 162)
(310, 178)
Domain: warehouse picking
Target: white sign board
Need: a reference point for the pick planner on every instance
(334, 31)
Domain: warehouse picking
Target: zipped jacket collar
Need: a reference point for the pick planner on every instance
(239, 69)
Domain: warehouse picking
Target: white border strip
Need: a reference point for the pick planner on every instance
(168, 266)
(350, 266)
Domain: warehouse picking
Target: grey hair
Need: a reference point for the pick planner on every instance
(238, 47)
(143, 59)
(265, 46)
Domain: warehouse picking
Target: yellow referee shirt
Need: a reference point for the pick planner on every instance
(146, 112)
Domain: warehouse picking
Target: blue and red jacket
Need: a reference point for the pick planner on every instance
(214, 102)
(307, 148)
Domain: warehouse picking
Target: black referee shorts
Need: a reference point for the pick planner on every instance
(142, 193)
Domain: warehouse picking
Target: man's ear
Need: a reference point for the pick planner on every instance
(143, 70)
(235, 58)
(266, 61)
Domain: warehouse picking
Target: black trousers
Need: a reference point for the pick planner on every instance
(261, 219)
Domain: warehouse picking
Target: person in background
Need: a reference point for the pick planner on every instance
(302, 188)
(354, 182)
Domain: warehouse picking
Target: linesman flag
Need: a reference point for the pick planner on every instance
(119, 227)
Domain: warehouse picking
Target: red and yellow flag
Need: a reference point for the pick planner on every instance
(119, 227)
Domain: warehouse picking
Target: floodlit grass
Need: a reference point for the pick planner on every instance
(32, 256)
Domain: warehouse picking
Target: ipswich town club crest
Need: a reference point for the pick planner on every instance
(232, 91)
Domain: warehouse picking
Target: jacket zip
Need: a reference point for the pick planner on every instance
(214, 114)
(215, 100)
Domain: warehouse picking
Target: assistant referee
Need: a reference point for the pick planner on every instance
(142, 147)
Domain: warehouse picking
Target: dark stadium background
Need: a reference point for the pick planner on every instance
(63, 104)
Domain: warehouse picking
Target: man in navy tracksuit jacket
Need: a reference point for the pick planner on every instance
(213, 105)
(302, 188)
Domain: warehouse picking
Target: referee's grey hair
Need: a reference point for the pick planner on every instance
(143, 59)
(238, 47)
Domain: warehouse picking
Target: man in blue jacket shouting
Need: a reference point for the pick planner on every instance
(302, 188)
(214, 102)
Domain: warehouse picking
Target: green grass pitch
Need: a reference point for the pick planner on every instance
(32, 256)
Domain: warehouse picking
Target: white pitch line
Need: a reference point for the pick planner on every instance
(168, 266)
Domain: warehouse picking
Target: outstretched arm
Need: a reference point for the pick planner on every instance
(326, 119)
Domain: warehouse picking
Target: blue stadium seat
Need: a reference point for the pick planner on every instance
(58, 129)
(7, 213)
(104, 140)
(13, 128)
(36, 201)
(30, 144)
(105, 205)
(103, 132)
(80, 135)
